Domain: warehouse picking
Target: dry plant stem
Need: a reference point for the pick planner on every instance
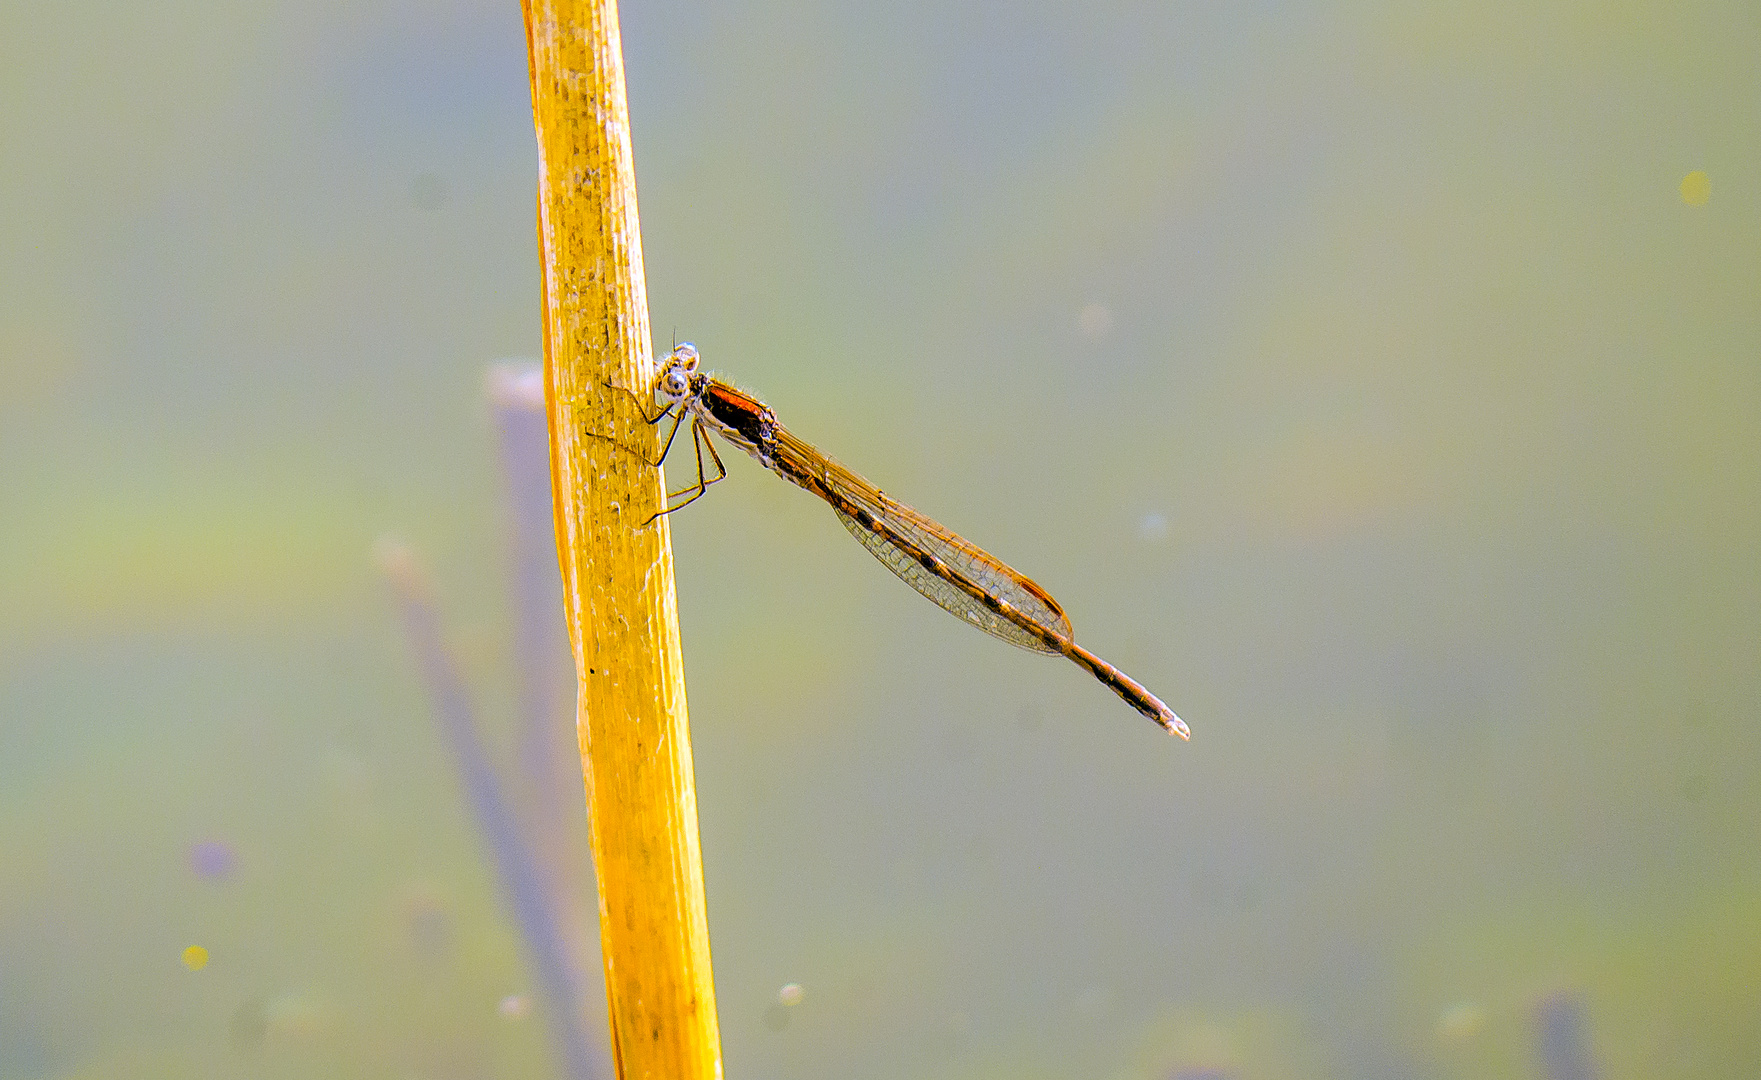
(617, 575)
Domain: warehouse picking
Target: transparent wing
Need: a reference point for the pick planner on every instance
(969, 561)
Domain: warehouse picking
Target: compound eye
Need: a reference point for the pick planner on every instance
(686, 353)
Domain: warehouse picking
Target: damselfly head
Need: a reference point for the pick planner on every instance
(676, 371)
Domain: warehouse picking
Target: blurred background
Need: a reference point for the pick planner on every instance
(1380, 386)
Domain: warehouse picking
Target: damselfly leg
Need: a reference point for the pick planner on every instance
(678, 414)
(700, 440)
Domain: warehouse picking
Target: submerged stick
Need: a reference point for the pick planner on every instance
(544, 668)
(523, 880)
(548, 778)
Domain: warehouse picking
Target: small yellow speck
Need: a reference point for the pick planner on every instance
(195, 958)
(1696, 188)
(1458, 1024)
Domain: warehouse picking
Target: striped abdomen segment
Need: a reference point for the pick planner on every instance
(958, 593)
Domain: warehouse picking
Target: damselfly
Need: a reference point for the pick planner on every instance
(958, 575)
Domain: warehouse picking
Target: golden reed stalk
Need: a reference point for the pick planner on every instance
(617, 576)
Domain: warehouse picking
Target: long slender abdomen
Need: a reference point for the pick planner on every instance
(1128, 688)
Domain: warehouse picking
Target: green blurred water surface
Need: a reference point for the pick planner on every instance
(1357, 375)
